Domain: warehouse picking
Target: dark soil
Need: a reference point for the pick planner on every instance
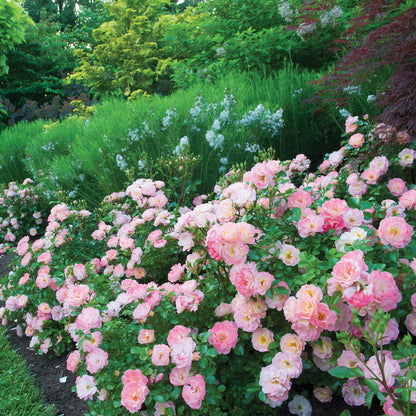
(47, 370)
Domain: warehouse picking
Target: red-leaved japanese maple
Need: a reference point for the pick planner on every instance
(381, 35)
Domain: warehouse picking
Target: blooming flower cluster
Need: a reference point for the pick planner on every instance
(208, 308)
(21, 212)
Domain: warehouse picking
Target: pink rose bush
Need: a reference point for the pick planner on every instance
(54, 290)
(285, 277)
(22, 213)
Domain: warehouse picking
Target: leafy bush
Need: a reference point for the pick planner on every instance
(66, 241)
(12, 29)
(57, 109)
(127, 58)
(219, 35)
(38, 66)
(284, 279)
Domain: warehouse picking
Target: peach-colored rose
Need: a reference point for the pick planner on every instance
(261, 339)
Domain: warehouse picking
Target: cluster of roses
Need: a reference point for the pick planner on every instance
(229, 242)
(362, 290)
(49, 295)
(257, 267)
(20, 213)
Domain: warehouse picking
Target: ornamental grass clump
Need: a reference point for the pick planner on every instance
(284, 281)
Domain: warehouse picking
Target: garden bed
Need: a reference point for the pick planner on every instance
(252, 303)
(48, 370)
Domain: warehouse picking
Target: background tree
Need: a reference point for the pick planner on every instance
(35, 85)
(128, 57)
(63, 11)
(38, 66)
(247, 35)
(379, 57)
(13, 22)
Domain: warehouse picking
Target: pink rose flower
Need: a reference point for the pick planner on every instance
(160, 355)
(356, 140)
(300, 406)
(45, 258)
(74, 358)
(397, 186)
(323, 394)
(391, 369)
(261, 339)
(385, 291)
(86, 387)
(176, 272)
(410, 323)
(193, 391)
(89, 318)
(290, 363)
(389, 409)
(179, 375)
(408, 199)
(134, 375)
(299, 199)
(177, 334)
(79, 271)
(274, 380)
(133, 396)
(380, 163)
(77, 295)
(96, 360)
(183, 352)
(371, 175)
(395, 231)
(351, 124)
(94, 342)
(161, 407)
(223, 309)
(223, 336)
(354, 393)
(146, 336)
(292, 343)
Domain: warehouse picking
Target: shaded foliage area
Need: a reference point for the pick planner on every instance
(38, 66)
(65, 12)
(218, 35)
(35, 86)
(382, 58)
(57, 108)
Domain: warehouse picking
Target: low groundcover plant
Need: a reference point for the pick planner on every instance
(281, 280)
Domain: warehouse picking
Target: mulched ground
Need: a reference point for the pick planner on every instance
(47, 370)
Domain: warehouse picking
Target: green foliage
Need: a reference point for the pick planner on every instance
(13, 153)
(79, 36)
(65, 12)
(38, 66)
(12, 29)
(127, 58)
(217, 35)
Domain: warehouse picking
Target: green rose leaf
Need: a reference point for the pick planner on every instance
(342, 372)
